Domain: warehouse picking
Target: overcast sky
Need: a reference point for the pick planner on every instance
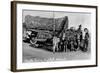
(75, 19)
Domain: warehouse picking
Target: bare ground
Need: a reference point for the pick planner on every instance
(31, 54)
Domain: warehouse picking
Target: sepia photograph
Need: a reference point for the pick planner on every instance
(47, 36)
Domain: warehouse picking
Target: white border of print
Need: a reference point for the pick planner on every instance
(21, 65)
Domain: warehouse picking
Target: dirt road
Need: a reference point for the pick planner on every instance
(31, 54)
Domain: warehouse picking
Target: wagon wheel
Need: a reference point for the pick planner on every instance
(85, 50)
(33, 41)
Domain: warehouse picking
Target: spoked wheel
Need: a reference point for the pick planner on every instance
(84, 46)
(84, 50)
(33, 42)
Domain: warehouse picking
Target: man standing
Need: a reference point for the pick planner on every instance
(63, 42)
(55, 43)
(79, 35)
(86, 39)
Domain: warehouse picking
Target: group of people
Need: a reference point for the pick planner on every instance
(72, 39)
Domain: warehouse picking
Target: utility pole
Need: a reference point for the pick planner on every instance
(54, 26)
